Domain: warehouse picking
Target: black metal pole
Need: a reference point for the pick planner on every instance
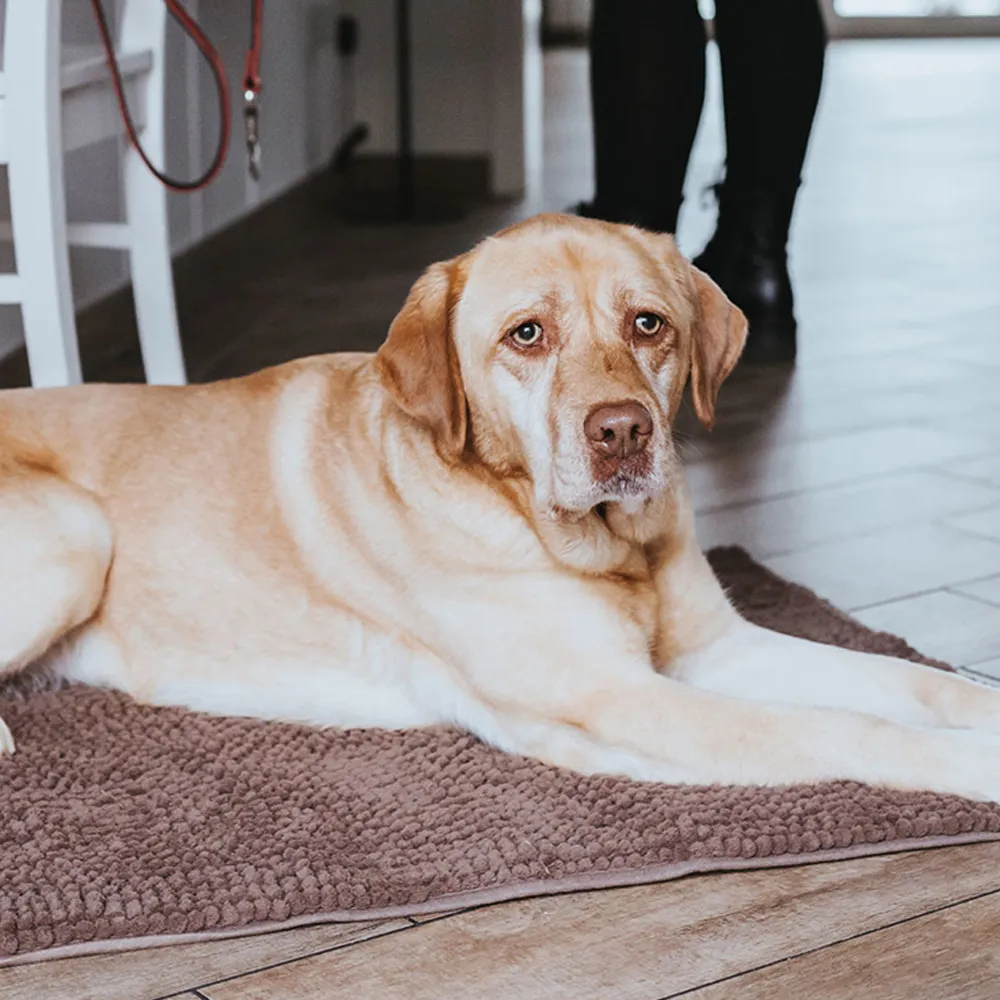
(404, 110)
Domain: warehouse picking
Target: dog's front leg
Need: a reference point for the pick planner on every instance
(704, 642)
(590, 701)
(752, 662)
(682, 734)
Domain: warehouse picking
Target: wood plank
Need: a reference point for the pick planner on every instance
(157, 972)
(951, 955)
(635, 943)
(426, 918)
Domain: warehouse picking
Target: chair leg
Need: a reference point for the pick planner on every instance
(37, 196)
(38, 223)
(152, 274)
(143, 26)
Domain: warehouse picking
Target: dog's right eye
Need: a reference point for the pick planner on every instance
(527, 334)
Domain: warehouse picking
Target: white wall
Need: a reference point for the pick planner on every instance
(468, 58)
(568, 15)
(467, 80)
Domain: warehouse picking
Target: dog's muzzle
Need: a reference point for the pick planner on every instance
(618, 435)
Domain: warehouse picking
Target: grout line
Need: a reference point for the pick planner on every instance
(969, 532)
(945, 473)
(993, 505)
(289, 961)
(839, 484)
(971, 597)
(878, 530)
(894, 600)
(964, 476)
(845, 536)
(986, 679)
(834, 944)
(923, 593)
(801, 491)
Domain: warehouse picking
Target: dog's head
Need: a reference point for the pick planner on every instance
(559, 349)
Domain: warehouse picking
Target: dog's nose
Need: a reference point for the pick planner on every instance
(618, 430)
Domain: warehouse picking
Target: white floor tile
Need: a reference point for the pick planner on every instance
(944, 625)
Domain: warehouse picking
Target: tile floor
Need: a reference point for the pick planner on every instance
(871, 473)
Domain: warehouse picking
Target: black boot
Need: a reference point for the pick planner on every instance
(748, 258)
(772, 69)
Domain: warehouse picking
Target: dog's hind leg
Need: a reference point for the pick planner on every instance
(55, 550)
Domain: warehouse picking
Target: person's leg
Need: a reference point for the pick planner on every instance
(647, 80)
(772, 68)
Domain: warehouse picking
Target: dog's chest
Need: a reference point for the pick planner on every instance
(633, 596)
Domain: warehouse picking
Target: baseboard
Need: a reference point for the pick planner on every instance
(463, 180)
(565, 38)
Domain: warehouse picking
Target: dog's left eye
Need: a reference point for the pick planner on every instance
(648, 324)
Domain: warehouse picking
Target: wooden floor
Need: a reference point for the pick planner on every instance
(871, 473)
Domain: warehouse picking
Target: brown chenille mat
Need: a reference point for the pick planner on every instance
(125, 826)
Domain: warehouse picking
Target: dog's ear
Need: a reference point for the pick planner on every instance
(418, 365)
(718, 335)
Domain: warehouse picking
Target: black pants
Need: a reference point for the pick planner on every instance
(648, 87)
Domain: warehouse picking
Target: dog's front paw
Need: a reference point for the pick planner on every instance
(974, 774)
(6, 740)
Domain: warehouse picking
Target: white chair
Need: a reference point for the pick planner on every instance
(53, 101)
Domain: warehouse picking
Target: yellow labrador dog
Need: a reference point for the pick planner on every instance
(485, 523)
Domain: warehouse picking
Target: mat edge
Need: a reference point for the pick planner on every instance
(519, 890)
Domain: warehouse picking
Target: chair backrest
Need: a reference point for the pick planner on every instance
(79, 72)
(31, 57)
(144, 29)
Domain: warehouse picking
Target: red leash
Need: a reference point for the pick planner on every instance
(251, 91)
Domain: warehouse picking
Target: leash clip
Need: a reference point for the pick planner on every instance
(251, 89)
(251, 123)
